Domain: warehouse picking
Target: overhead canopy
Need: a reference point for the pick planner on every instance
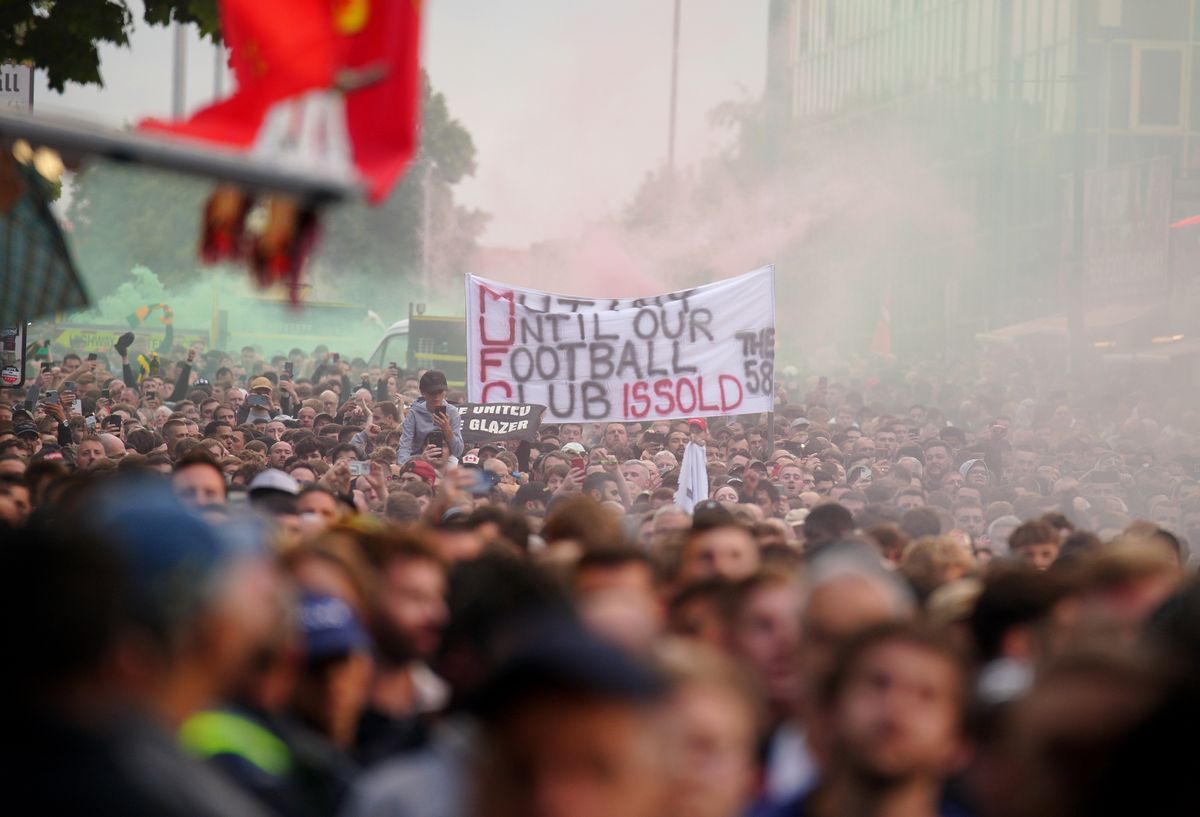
(1096, 319)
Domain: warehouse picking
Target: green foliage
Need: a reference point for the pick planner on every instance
(201, 12)
(62, 37)
(444, 138)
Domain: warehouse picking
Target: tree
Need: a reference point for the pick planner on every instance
(62, 37)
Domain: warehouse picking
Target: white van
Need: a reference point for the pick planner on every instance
(392, 347)
(426, 342)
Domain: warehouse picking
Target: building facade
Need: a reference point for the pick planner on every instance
(1017, 100)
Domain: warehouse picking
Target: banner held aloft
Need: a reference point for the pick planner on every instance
(707, 350)
(499, 421)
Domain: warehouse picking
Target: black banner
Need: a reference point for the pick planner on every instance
(500, 421)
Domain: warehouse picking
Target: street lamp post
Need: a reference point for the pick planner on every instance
(674, 91)
(179, 73)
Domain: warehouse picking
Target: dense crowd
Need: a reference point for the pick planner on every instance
(288, 586)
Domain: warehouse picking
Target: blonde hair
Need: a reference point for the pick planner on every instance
(930, 562)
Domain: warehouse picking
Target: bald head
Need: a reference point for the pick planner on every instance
(114, 449)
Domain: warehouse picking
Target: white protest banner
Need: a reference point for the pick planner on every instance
(703, 351)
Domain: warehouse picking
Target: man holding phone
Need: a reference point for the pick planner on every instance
(258, 403)
(431, 422)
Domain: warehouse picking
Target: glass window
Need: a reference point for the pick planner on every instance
(1159, 20)
(1160, 88)
(1195, 106)
(1061, 95)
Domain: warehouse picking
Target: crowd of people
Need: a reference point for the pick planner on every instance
(248, 586)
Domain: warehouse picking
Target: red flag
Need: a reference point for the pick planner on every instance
(270, 62)
(282, 51)
(383, 118)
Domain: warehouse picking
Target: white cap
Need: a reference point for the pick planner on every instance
(274, 480)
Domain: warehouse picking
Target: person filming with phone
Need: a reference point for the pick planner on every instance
(431, 423)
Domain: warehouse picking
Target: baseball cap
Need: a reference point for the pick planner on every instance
(699, 421)
(799, 422)
(432, 381)
(261, 383)
(424, 470)
(470, 459)
(710, 514)
(329, 628)
(574, 448)
(274, 480)
(170, 554)
(25, 428)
